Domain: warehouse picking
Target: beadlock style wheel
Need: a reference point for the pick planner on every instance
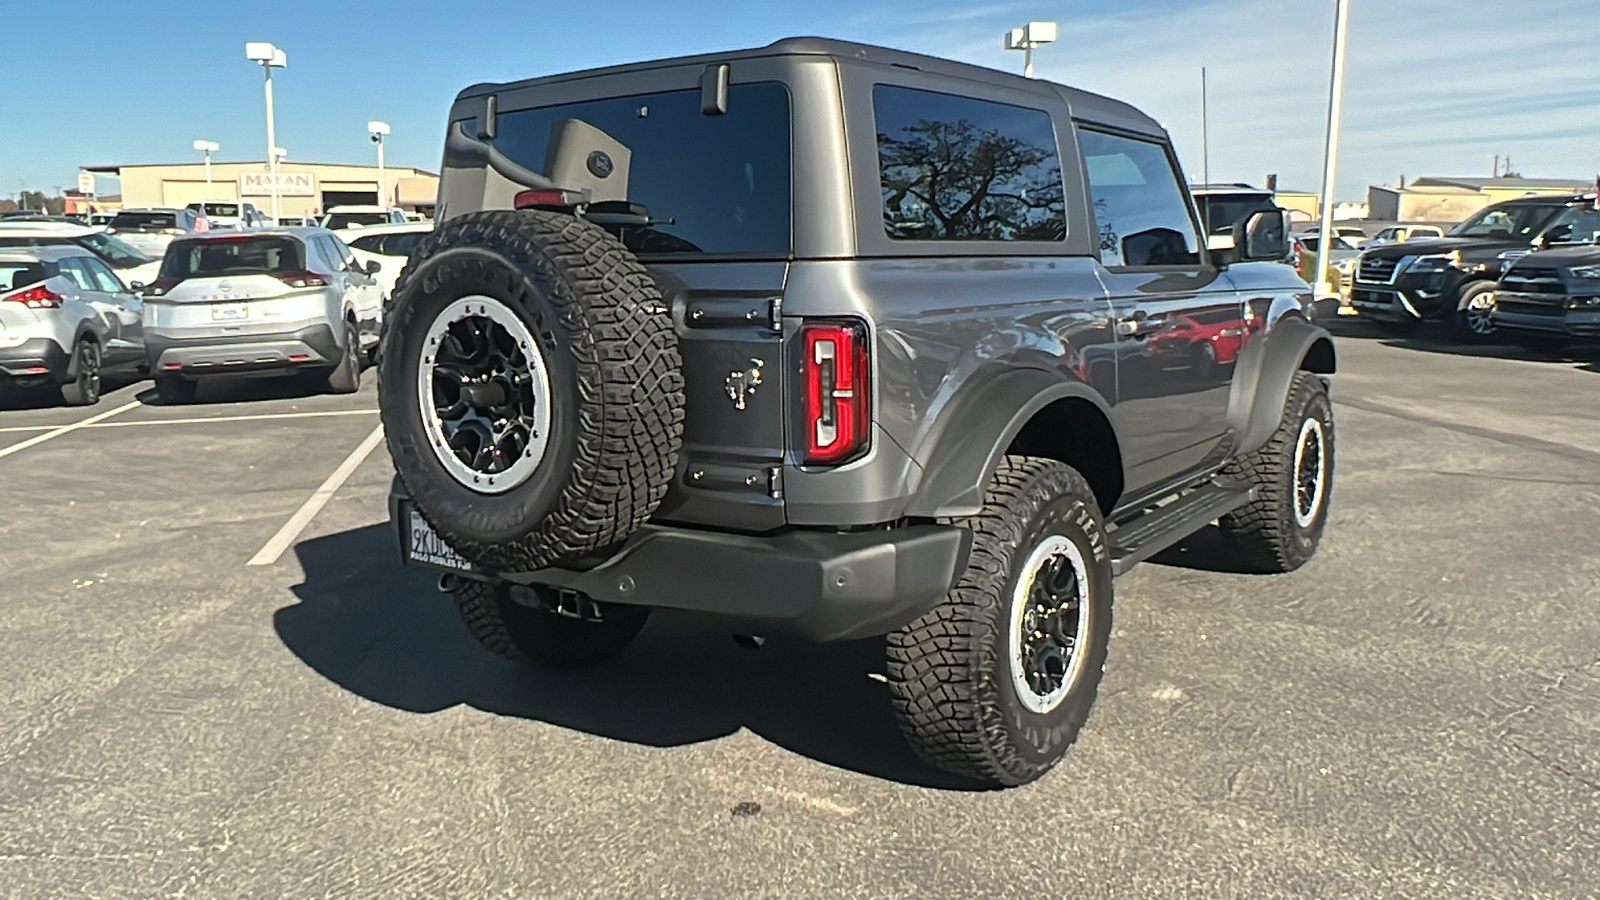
(1310, 458)
(484, 392)
(1049, 616)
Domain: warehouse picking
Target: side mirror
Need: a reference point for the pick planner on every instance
(1262, 235)
(137, 287)
(373, 267)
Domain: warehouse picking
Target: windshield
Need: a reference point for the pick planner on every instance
(1519, 221)
(115, 252)
(1221, 213)
(708, 184)
(127, 221)
(336, 221)
(1578, 225)
(251, 256)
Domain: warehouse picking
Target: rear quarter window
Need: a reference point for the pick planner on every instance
(959, 169)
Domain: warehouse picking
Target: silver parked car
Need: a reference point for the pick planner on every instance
(150, 230)
(269, 302)
(65, 318)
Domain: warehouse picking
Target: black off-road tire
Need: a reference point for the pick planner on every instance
(950, 672)
(615, 377)
(345, 378)
(175, 390)
(539, 635)
(1467, 312)
(84, 388)
(1265, 535)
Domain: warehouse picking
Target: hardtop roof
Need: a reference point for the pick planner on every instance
(1085, 105)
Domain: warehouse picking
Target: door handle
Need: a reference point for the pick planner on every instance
(1138, 326)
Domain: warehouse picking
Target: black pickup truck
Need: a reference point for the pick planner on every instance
(1452, 279)
(837, 342)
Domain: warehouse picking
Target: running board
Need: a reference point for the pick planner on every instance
(1138, 539)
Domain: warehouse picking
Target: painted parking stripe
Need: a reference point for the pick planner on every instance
(319, 498)
(17, 429)
(66, 429)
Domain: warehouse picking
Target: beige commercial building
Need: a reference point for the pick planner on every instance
(1453, 199)
(304, 188)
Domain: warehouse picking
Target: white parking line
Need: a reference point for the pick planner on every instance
(65, 429)
(319, 498)
(16, 429)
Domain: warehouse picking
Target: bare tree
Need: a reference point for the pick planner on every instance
(955, 181)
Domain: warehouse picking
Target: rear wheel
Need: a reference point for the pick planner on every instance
(84, 388)
(546, 627)
(996, 681)
(346, 376)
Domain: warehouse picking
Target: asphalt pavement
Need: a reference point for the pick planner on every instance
(1414, 714)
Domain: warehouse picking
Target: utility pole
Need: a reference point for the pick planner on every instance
(1341, 23)
(1026, 38)
(269, 57)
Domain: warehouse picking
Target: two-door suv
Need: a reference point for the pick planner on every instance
(839, 342)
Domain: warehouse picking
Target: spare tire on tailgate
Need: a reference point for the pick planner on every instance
(531, 391)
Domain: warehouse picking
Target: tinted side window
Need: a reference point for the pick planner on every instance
(958, 169)
(1140, 208)
(402, 244)
(103, 277)
(73, 269)
(369, 243)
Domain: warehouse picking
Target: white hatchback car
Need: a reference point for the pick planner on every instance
(265, 302)
(389, 246)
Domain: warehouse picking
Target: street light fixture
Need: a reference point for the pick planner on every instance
(1341, 24)
(270, 57)
(378, 131)
(208, 148)
(1026, 38)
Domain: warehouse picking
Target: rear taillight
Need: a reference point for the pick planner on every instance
(160, 286)
(836, 378)
(547, 198)
(36, 297)
(302, 279)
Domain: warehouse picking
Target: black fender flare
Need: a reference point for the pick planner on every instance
(961, 459)
(1262, 379)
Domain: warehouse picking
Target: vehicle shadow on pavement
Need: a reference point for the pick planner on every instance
(223, 389)
(1202, 551)
(384, 632)
(50, 397)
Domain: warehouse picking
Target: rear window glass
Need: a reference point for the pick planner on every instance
(222, 209)
(958, 169)
(254, 256)
(708, 184)
(15, 275)
(345, 220)
(144, 221)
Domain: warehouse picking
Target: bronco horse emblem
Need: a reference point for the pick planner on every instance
(743, 383)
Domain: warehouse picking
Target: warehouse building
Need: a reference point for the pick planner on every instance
(304, 188)
(1433, 199)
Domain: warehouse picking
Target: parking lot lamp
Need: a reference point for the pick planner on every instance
(208, 148)
(1341, 21)
(270, 57)
(378, 131)
(1029, 36)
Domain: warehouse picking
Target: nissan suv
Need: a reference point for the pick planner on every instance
(831, 341)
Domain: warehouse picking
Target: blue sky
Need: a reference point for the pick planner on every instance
(1433, 86)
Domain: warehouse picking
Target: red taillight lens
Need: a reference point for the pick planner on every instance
(160, 286)
(36, 297)
(302, 279)
(837, 383)
(546, 198)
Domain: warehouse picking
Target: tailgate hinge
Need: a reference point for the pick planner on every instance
(775, 482)
(775, 314)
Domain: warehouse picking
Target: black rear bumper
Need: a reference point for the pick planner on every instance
(823, 586)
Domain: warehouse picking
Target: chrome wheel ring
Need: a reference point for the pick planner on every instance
(1480, 313)
(1049, 624)
(483, 391)
(1310, 471)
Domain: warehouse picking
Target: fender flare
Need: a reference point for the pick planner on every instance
(962, 458)
(1261, 387)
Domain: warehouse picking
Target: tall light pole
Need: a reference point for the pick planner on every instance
(1029, 36)
(269, 57)
(1341, 21)
(208, 148)
(378, 131)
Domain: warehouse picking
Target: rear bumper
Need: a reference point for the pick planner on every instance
(36, 359)
(221, 353)
(822, 586)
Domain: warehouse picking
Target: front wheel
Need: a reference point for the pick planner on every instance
(346, 376)
(996, 681)
(571, 632)
(1280, 529)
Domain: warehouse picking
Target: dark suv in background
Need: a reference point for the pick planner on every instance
(1452, 279)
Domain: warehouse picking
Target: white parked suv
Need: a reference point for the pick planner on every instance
(64, 319)
(131, 265)
(341, 217)
(268, 302)
(150, 230)
(389, 246)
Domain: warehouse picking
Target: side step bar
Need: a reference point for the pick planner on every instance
(1137, 539)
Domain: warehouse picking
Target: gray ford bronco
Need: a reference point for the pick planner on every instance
(839, 342)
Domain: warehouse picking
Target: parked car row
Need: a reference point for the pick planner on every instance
(265, 301)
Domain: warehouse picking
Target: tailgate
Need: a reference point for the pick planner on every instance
(733, 432)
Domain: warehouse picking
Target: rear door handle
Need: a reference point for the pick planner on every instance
(1138, 326)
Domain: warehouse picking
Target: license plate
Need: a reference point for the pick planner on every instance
(427, 548)
(230, 312)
